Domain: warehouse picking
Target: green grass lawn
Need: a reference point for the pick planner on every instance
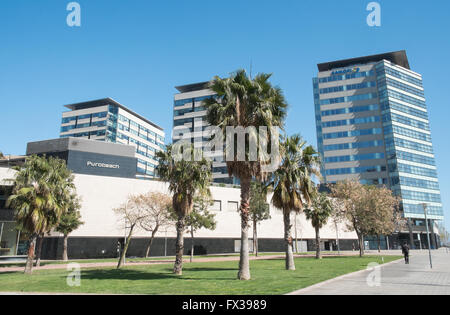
(268, 277)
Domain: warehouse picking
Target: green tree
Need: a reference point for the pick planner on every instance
(292, 185)
(186, 178)
(40, 189)
(259, 209)
(70, 221)
(200, 217)
(246, 103)
(1, 155)
(318, 213)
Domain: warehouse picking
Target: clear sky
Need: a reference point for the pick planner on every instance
(137, 51)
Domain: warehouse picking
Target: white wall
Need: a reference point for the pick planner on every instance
(100, 195)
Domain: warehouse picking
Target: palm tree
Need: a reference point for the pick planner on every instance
(319, 212)
(1, 155)
(186, 179)
(244, 102)
(40, 188)
(292, 185)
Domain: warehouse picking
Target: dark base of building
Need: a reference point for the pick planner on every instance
(108, 247)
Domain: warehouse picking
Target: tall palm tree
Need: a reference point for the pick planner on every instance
(293, 186)
(245, 102)
(40, 188)
(185, 178)
(319, 212)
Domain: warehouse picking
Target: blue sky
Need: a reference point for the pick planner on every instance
(137, 51)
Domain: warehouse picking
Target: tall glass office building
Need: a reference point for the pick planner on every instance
(110, 121)
(372, 125)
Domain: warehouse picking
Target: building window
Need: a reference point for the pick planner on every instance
(217, 205)
(233, 206)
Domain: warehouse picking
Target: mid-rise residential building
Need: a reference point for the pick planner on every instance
(373, 125)
(189, 123)
(107, 120)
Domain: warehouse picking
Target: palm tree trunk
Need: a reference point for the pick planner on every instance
(379, 243)
(244, 260)
(192, 244)
(149, 245)
(124, 252)
(295, 229)
(30, 258)
(179, 247)
(318, 252)
(65, 255)
(290, 265)
(39, 250)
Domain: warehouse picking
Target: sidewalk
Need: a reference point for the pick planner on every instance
(396, 278)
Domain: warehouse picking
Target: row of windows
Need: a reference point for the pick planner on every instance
(374, 181)
(101, 123)
(406, 121)
(348, 87)
(401, 86)
(140, 146)
(407, 156)
(403, 108)
(356, 170)
(353, 133)
(400, 75)
(348, 158)
(414, 182)
(348, 110)
(411, 169)
(191, 100)
(181, 122)
(347, 76)
(352, 98)
(148, 164)
(402, 97)
(407, 132)
(90, 116)
(98, 133)
(147, 133)
(418, 209)
(183, 111)
(139, 134)
(421, 196)
(353, 145)
(354, 121)
(408, 145)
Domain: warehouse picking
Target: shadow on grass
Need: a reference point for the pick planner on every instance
(125, 274)
(133, 274)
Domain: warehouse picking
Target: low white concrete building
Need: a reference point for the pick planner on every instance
(102, 230)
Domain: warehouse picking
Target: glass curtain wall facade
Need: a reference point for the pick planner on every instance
(372, 125)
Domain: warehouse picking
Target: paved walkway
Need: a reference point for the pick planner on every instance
(395, 278)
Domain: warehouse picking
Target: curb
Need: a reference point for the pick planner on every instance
(320, 284)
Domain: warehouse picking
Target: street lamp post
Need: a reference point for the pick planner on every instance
(428, 233)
